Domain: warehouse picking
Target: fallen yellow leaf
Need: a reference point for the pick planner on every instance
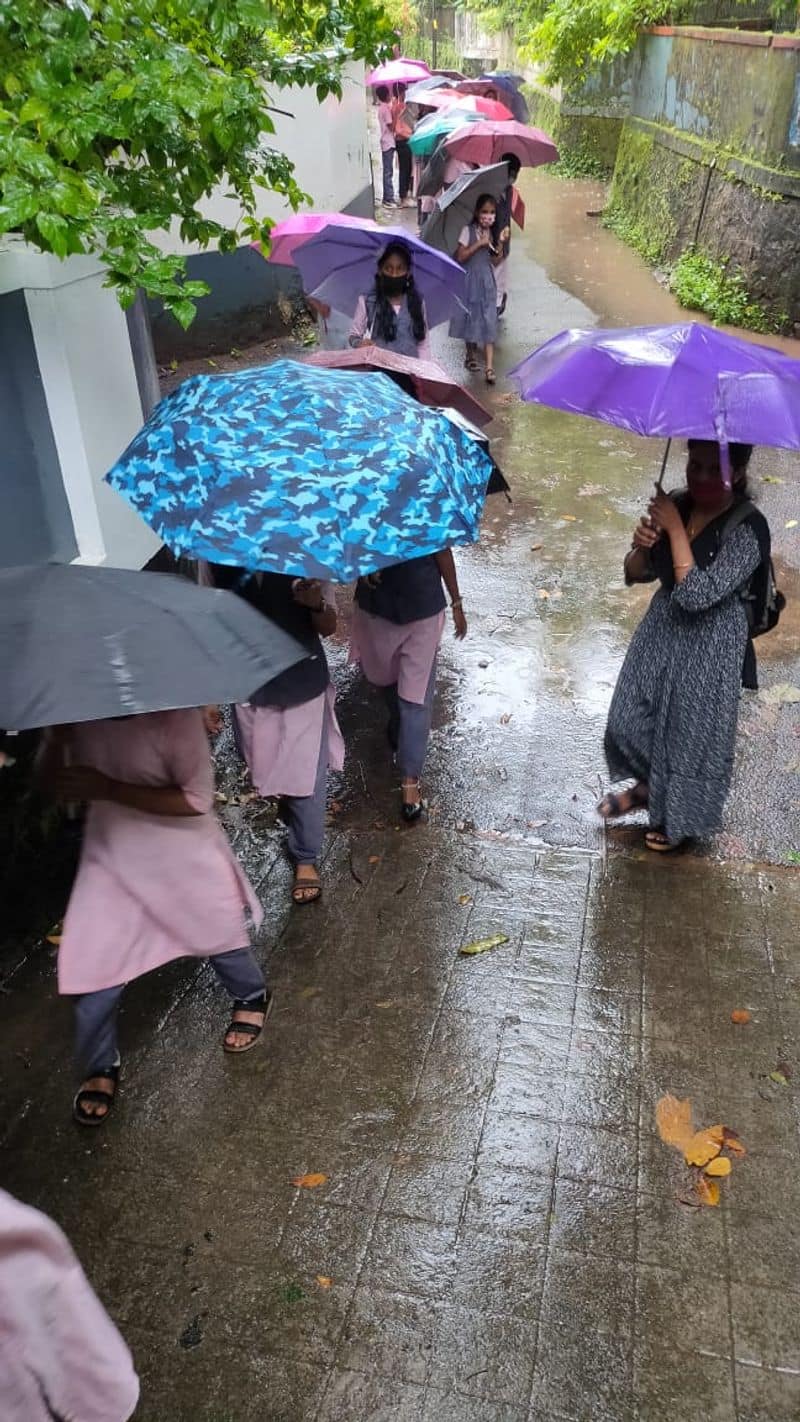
(702, 1148)
(792, 523)
(465, 898)
(720, 1166)
(483, 945)
(310, 992)
(740, 1016)
(309, 1182)
(707, 1191)
(674, 1121)
(570, 518)
(323, 1281)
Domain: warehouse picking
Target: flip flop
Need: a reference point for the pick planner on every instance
(615, 807)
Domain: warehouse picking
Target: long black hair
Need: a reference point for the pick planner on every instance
(739, 456)
(384, 321)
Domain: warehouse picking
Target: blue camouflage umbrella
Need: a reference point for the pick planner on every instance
(301, 470)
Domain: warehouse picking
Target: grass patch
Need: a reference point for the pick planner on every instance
(641, 238)
(580, 163)
(701, 283)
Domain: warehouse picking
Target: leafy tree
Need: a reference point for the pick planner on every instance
(117, 117)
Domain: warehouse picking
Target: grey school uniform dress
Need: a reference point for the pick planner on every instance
(478, 324)
(673, 715)
(405, 342)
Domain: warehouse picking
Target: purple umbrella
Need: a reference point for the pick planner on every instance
(676, 382)
(339, 264)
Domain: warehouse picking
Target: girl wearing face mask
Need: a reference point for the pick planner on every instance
(477, 251)
(392, 315)
(672, 721)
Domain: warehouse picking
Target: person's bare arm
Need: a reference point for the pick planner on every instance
(80, 783)
(445, 562)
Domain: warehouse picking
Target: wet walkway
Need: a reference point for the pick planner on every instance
(500, 1235)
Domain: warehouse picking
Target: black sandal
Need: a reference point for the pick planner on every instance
(470, 362)
(411, 813)
(95, 1096)
(615, 807)
(252, 1030)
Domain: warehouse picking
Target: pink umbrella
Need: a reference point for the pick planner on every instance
(431, 384)
(398, 71)
(486, 143)
(469, 103)
(295, 230)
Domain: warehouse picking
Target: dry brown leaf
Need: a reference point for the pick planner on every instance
(505, 718)
(323, 1281)
(309, 1182)
(535, 547)
(732, 1143)
(465, 898)
(702, 1148)
(570, 518)
(707, 1191)
(374, 859)
(674, 1121)
(720, 1166)
(740, 1016)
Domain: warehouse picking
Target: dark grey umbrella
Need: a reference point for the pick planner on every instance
(83, 644)
(498, 483)
(455, 208)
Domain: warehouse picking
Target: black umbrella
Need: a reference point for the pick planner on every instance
(84, 644)
(498, 483)
(455, 208)
(508, 88)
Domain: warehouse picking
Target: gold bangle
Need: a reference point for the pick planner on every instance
(457, 602)
(677, 566)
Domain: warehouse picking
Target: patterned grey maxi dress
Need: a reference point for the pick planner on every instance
(672, 720)
(478, 324)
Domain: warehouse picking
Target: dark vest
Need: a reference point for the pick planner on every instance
(403, 593)
(271, 595)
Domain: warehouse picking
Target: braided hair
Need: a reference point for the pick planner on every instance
(385, 319)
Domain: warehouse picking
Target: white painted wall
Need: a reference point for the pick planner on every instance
(328, 144)
(84, 354)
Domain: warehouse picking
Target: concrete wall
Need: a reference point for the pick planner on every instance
(710, 155)
(329, 147)
(78, 406)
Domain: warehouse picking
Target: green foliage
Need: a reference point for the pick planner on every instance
(703, 284)
(635, 234)
(574, 37)
(579, 162)
(118, 117)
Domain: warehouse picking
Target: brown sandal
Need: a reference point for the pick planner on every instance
(306, 891)
(656, 840)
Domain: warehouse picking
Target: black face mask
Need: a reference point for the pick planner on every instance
(394, 286)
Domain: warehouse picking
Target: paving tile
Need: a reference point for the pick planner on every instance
(439, 1126)
(524, 1091)
(602, 970)
(767, 1396)
(390, 1335)
(427, 1188)
(685, 1385)
(678, 1015)
(676, 1236)
(593, 1219)
(683, 1309)
(415, 1257)
(482, 1356)
(519, 1142)
(602, 1009)
(541, 1000)
(355, 1397)
(598, 1291)
(575, 1378)
(766, 1327)
(605, 1157)
(609, 1099)
(600, 1054)
(509, 1202)
(439, 1407)
(325, 1239)
(499, 1275)
(764, 1249)
(542, 1045)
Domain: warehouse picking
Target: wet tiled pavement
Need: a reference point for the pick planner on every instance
(501, 1234)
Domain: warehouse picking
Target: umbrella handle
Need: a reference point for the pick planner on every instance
(667, 448)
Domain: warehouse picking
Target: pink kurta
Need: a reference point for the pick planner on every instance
(60, 1354)
(396, 653)
(150, 888)
(282, 747)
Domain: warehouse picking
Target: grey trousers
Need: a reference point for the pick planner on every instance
(409, 727)
(304, 815)
(96, 1013)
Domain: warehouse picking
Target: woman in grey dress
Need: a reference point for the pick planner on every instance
(477, 325)
(672, 721)
(393, 314)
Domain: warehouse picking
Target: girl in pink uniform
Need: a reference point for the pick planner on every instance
(397, 626)
(288, 733)
(157, 880)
